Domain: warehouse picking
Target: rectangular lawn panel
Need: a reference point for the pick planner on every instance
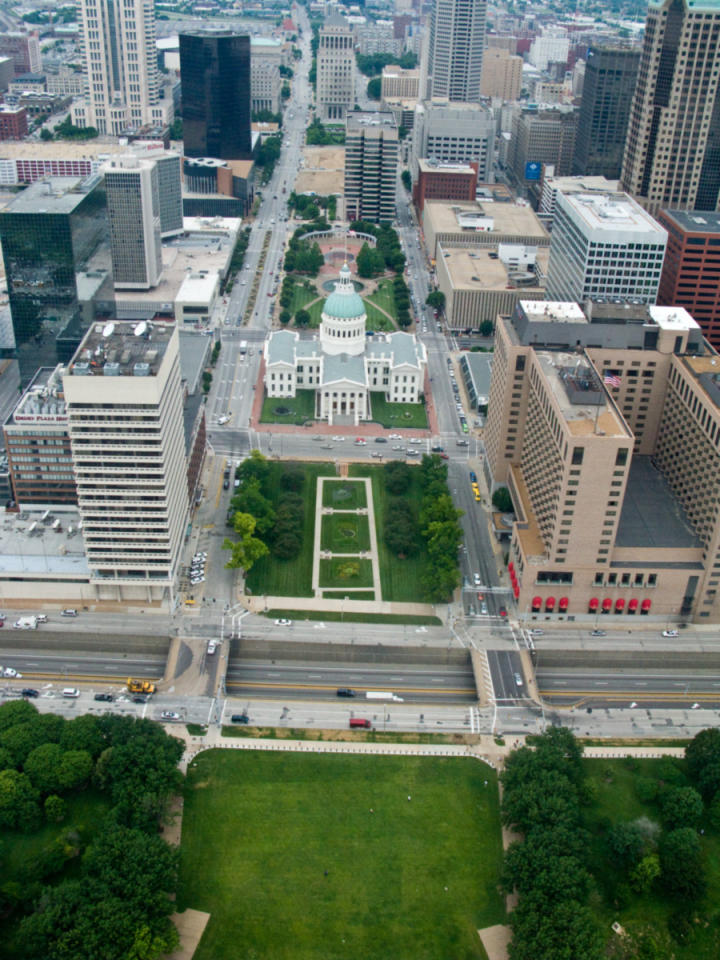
(397, 414)
(271, 576)
(315, 857)
(614, 788)
(345, 533)
(298, 409)
(344, 495)
(355, 595)
(400, 579)
(345, 572)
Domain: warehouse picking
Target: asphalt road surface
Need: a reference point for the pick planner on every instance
(620, 688)
(436, 684)
(505, 670)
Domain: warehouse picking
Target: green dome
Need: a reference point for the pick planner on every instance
(345, 303)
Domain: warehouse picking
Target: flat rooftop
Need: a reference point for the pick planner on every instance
(42, 402)
(695, 221)
(612, 213)
(582, 184)
(61, 149)
(58, 195)
(360, 120)
(508, 219)
(569, 386)
(651, 515)
(440, 166)
(34, 544)
(474, 268)
(122, 349)
(557, 311)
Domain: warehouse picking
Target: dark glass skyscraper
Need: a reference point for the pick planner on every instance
(215, 80)
(610, 76)
(49, 234)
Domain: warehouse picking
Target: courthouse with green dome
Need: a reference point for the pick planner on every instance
(343, 365)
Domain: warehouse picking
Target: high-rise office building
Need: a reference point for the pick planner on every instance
(604, 246)
(124, 405)
(672, 155)
(608, 86)
(123, 89)
(454, 133)
(501, 74)
(603, 424)
(335, 86)
(542, 138)
(169, 172)
(133, 204)
(691, 272)
(453, 55)
(49, 234)
(215, 77)
(24, 51)
(371, 155)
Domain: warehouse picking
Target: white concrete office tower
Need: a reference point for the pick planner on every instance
(604, 246)
(335, 86)
(454, 133)
(371, 156)
(125, 419)
(453, 54)
(123, 83)
(133, 205)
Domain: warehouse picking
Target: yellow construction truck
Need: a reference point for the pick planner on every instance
(140, 686)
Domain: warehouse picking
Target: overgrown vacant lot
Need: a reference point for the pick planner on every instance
(312, 857)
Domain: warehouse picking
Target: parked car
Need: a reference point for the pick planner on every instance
(104, 697)
(170, 715)
(240, 718)
(71, 692)
(30, 692)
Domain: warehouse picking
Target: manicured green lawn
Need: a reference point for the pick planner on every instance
(300, 408)
(345, 533)
(384, 298)
(400, 579)
(614, 786)
(315, 311)
(344, 495)
(334, 616)
(376, 319)
(291, 578)
(397, 414)
(313, 857)
(345, 572)
(301, 298)
(342, 594)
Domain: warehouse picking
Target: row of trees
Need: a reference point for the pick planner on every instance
(267, 156)
(117, 905)
(267, 514)
(401, 523)
(542, 789)
(372, 64)
(401, 294)
(304, 257)
(238, 258)
(440, 531)
(387, 242)
(308, 207)
(318, 135)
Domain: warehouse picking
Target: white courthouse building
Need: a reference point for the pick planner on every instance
(343, 366)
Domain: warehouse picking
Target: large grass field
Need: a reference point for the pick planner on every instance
(291, 578)
(345, 533)
(376, 319)
(397, 414)
(614, 788)
(400, 579)
(384, 297)
(299, 408)
(313, 857)
(301, 297)
(344, 495)
(345, 572)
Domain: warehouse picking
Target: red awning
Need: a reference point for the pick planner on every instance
(516, 591)
(563, 603)
(594, 603)
(646, 604)
(607, 603)
(550, 603)
(536, 603)
(633, 605)
(619, 604)
(511, 566)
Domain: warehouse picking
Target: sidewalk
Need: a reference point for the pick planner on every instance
(259, 604)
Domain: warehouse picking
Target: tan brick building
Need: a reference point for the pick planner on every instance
(501, 74)
(605, 424)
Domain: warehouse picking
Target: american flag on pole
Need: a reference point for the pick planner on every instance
(611, 380)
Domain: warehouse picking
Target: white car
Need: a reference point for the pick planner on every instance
(398, 447)
(670, 633)
(196, 580)
(223, 419)
(338, 439)
(395, 436)
(283, 623)
(211, 647)
(170, 715)
(10, 672)
(476, 579)
(414, 440)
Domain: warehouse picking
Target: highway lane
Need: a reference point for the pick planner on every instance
(505, 668)
(38, 664)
